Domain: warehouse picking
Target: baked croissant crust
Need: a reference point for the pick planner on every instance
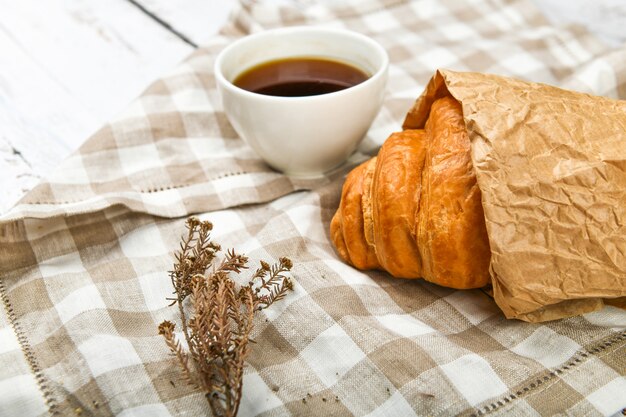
(415, 210)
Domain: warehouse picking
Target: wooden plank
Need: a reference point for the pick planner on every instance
(40, 122)
(103, 53)
(197, 20)
(66, 68)
(17, 175)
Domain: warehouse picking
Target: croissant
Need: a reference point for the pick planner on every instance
(415, 210)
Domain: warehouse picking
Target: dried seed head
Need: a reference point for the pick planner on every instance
(206, 226)
(265, 266)
(286, 263)
(193, 222)
(166, 327)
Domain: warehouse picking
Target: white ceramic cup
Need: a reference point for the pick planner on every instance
(303, 136)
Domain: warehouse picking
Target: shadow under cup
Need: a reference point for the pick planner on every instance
(309, 135)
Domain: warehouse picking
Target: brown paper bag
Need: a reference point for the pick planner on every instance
(551, 165)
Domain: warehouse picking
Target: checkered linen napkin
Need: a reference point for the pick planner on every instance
(83, 257)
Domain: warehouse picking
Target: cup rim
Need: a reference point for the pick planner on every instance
(221, 79)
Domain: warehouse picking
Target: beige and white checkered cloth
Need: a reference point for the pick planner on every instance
(83, 258)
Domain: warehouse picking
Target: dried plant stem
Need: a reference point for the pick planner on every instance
(221, 315)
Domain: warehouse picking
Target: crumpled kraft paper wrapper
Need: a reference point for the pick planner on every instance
(551, 165)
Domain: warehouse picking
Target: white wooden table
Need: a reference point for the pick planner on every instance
(67, 66)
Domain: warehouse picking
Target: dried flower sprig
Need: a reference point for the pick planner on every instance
(221, 313)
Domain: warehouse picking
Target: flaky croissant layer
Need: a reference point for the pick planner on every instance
(415, 210)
